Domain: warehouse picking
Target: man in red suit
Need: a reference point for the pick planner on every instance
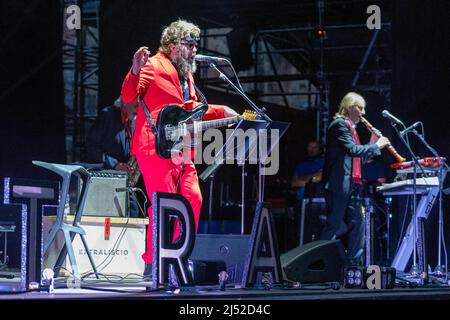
(163, 79)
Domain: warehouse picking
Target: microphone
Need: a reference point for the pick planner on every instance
(127, 189)
(386, 114)
(203, 58)
(410, 128)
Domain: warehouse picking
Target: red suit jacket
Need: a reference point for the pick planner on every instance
(159, 85)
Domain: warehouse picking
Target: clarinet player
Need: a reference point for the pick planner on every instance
(342, 176)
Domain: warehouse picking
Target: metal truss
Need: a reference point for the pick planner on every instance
(286, 42)
(80, 67)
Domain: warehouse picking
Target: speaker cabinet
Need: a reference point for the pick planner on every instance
(218, 248)
(102, 200)
(316, 262)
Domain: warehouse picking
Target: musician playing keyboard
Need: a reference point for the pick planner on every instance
(342, 176)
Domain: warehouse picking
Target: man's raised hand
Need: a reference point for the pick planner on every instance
(140, 59)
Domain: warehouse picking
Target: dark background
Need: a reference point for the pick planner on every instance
(31, 91)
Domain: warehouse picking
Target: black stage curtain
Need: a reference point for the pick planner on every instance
(31, 86)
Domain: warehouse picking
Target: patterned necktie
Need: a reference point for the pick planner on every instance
(185, 89)
(356, 161)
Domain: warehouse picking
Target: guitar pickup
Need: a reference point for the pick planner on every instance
(171, 133)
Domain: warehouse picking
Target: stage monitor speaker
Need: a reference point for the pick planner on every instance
(315, 262)
(102, 200)
(228, 248)
(206, 272)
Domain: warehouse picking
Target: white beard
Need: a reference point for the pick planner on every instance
(184, 66)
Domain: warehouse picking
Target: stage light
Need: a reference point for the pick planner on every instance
(371, 277)
(353, 277)
(321, 33)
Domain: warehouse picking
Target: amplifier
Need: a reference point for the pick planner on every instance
(102, 199)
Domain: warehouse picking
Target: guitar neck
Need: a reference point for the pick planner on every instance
(205, 125)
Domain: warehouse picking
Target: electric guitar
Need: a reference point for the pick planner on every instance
(175, 123)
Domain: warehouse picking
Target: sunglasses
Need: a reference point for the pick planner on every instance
(191, 37)
(190, 45)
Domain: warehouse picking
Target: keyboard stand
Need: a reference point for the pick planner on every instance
(424, 207)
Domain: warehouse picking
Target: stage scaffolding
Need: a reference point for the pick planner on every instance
(308, 58)
(80, 67)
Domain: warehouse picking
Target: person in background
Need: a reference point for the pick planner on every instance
(308, 170)
(109, 142)
(109, 138)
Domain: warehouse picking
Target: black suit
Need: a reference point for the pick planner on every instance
(107, 141)
(342, 196)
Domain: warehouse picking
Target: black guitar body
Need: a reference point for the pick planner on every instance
(171, 116)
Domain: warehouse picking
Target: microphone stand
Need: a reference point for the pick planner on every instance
(258, 110)
(262, 115)
(440, 269)
(414, 267)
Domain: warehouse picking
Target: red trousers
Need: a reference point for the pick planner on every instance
(161, 175)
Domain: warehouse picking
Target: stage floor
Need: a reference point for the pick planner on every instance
(137, 291)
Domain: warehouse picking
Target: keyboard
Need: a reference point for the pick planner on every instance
(424, 163)
(407, 185)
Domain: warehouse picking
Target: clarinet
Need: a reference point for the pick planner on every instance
(378, 133)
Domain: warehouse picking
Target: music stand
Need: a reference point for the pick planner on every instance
(263, 137)
(265, 123)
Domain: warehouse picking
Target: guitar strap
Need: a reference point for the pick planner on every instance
(149, 117)
(201, 95)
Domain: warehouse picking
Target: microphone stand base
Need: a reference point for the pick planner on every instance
(439, 271)
(414, 272)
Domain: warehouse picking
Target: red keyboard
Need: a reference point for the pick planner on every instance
(428, 162)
